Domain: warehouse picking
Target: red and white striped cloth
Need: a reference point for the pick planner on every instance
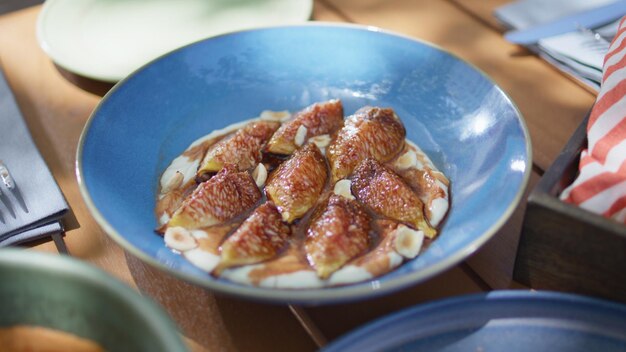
(601, 185)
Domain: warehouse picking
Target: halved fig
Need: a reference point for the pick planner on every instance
(424, 183)
(259, 238)
(221, 198)
(371, 132)
(242, 148)
(297, 183)
(382, 258)
(337, 235)
(317, 119)
(168, 203)
(385, 192)
(430, 184)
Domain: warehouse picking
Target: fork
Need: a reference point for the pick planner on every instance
(597, 43)
(6, 177)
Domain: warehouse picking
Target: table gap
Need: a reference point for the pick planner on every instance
(474, 16)
(467, 269)
(59, 242)
(337, 11)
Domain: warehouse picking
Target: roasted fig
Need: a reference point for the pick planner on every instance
(430, 185)
(221, 198)
(338, 234)
(242, 148)
(385, 193)
(317, 119)
(371, 132)
(259, 238)
(297, 183)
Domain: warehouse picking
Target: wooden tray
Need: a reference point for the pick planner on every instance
(564, 247)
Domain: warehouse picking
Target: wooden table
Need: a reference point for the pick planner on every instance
(56, 106)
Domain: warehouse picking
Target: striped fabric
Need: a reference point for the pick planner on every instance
(601, 185)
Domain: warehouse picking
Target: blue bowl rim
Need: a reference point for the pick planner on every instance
(447, 304)
(352, 292)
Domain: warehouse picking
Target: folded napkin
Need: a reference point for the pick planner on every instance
(527, 13)
(601, 184)
(578, 53)
(14, 5)
(33, 209)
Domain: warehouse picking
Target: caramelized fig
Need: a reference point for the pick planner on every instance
(242, 148)
(371, 132)
(297, 183)
(424, 183)
(259, 238)
(168, 203)
(385, 192)
(337, 235)
(317, 119)
(221, 198)
(430, 184)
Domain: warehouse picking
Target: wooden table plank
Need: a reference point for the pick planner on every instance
(482, 10)
(552, 106)
(323, 12)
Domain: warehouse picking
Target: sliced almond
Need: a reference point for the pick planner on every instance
(202, 259)
(279, 116)
(406, 160)
(164, 218)
(321, 141)
(199, 234)
(179, 238)
(300, 135)
(437, 210)
(260, 175)
(342, 188)
(408, 242)
(174, 182)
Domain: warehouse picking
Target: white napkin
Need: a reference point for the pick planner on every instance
(576, 53)
(34, 208)
(526, 13)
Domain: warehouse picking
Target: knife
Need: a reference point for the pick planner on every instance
(587, 19)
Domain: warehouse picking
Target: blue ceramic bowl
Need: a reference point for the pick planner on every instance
(512, 321)
(459, 117)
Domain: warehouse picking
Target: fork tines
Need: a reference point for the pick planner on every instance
(5, 176)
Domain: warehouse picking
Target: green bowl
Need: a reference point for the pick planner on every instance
(66, 294)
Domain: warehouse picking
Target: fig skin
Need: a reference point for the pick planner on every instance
(337, 235)
(318, 119)
(295, 186)
(372, 132)
(383, 191)
(223, 197)
(260, 237)
(242, 148)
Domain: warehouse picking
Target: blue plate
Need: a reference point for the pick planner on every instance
(509, 321)
(460, 118)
